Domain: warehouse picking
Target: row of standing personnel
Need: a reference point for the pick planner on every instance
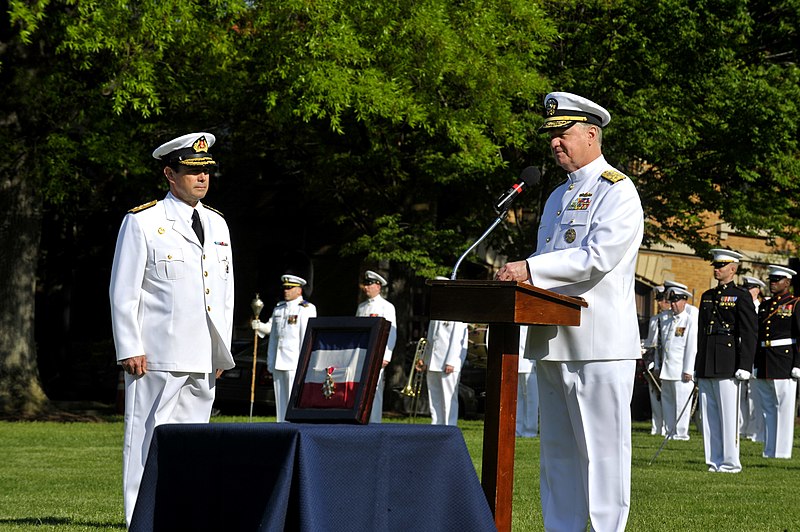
(442, 360)
(746, 362)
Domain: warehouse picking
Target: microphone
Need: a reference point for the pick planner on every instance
(529, 177)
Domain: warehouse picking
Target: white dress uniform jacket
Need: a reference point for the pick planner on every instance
(680, 345)
(289, 321)
(587, 246)
(447, 345)
(180, 318)
(379, 307)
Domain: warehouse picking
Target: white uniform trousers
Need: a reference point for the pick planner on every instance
(376, 415)
(282, 382)
(777, 400)
(585, 444)
(153, 399)
(527, 405)
(751, 425)
(442, 397)
(674, 397)
(718, 406)
(657, 411)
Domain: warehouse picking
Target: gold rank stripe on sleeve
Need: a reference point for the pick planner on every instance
(143, 206)
(213, 210)
(613, 176)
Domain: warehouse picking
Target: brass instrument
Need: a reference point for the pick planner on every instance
(415, 374)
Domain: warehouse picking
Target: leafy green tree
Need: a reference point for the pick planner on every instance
(704, 106)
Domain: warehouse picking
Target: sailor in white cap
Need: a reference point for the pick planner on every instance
(726, 344)
(751, 424)
(376, 305)
(653, 356)
(756, 287)
(589, 235)
(443, 357)
(677, 368)
(777, 363)
(675, 284)
(171, 303)
(286, 328)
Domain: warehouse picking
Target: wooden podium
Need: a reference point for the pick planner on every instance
(504, 305)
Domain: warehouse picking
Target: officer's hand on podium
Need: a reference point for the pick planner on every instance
(742, 375)
(796, 373)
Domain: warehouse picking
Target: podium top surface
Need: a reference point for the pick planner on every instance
(478, 301)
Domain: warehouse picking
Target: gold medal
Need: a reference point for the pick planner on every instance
(160, 230)
(569, 236)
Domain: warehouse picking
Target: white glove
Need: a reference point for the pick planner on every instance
(796, 373)
(651, 366)
(742, 375)
(262, 328)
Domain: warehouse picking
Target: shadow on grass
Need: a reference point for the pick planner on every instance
(58, 521)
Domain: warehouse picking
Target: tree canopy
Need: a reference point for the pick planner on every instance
(397, 121)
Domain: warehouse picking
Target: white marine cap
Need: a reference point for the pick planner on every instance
(191, 150)
(674, 284)
(372, 277)
(674, 294)
(563, 109)
(780, 271)
(749, 282)
(292, 280)
(725, 255)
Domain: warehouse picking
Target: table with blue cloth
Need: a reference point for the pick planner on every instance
(269, 476)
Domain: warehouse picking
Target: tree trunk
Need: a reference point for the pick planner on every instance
(21, 393)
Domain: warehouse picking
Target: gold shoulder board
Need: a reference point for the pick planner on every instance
(613, 176)
(143, 206)
(213, 209)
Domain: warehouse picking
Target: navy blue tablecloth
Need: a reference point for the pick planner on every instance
(310, 477)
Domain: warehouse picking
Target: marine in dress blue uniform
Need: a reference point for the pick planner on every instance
(287, 329)
(589, 236)
(376, 306)
(171, 297)
(777, 363)
(726, 344)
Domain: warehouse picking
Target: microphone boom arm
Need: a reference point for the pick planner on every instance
(484, 235)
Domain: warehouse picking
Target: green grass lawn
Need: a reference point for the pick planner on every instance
(67, 476)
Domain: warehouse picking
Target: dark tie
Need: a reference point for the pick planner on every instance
(198, 227)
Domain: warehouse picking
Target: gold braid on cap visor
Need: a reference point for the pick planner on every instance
(197, 161)
(561, 121)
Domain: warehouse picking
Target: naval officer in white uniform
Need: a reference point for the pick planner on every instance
(590, 231)
(443, 357)
(376, 306)
(171, 304)
(286, 328)
(677, 366)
